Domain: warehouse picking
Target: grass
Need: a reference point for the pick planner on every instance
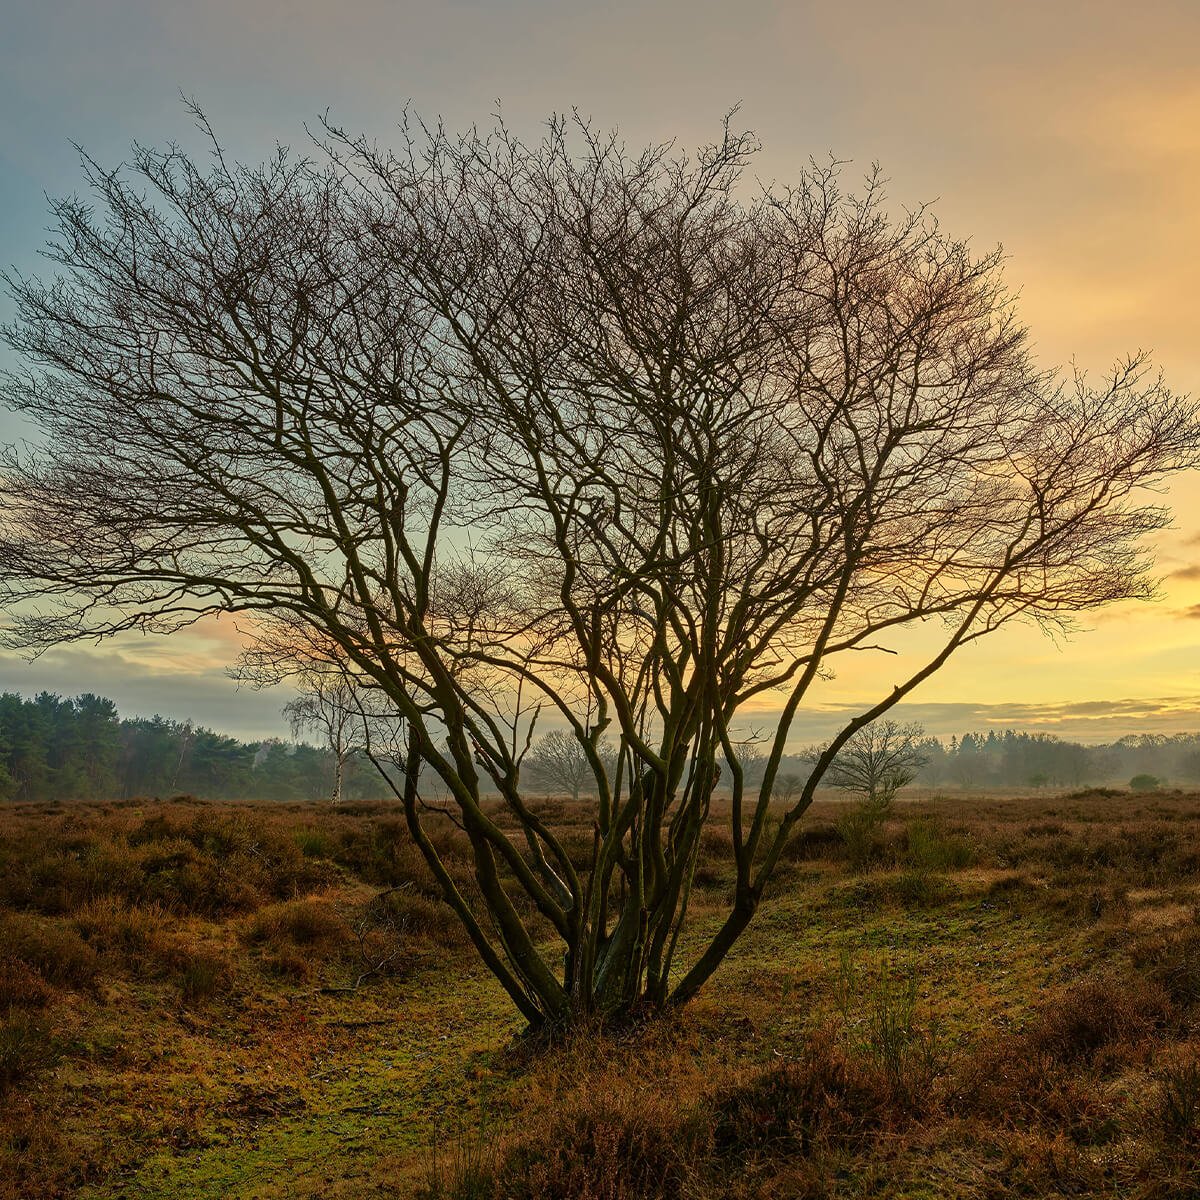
(1001, 999)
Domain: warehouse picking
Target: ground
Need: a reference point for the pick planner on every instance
(982, 997)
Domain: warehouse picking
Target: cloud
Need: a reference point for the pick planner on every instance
(1076, 720)
(1187, 573)
(139, 687)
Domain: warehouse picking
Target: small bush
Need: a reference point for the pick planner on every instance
(1007, 1082)
(1145, 783)
(314, 843)
(861, 830)
(929, 847)
(298, 935)
(919, 889)
(716, 844)
(132, 932)
(382, 852)
(792, 1108)
(814, 842)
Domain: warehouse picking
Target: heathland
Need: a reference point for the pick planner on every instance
(976, 996)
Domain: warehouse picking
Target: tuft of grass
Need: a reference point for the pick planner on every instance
(310, 922)
(920, 889)
(201, 977)
(52, 948)
(882, 1010)
(314, 843)
(26, 1047)
(1179, 1102)
(463, 1167)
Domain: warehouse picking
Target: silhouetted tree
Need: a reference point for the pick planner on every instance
(875, 762)
(513, 427)
(557, 760)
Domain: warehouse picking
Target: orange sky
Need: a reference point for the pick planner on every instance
(1068, 131)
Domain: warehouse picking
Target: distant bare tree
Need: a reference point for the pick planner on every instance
(875, 762)
(328, 706)
(560, 425)
(559, 761)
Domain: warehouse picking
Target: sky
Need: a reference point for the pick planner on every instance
(1068, 132)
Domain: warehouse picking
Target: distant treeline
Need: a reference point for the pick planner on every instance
(52, 748)
(1012, 759)
(1009, 759)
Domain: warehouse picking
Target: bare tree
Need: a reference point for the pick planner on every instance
(328, 706)
(558, 760)
(876, 761)
(515, 427)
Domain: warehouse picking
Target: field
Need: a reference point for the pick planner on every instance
(982, 997)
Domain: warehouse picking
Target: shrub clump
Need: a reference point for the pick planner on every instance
(1098, 1012)
(1172, 961)
(307, 922)
(53, 949)
(617, 1143)
(21, 985)
(823, 1096)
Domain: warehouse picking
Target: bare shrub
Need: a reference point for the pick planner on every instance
(702, 442)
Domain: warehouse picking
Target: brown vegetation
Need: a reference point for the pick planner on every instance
(1000, 997)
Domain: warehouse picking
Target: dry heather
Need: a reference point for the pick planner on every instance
(977, 997)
